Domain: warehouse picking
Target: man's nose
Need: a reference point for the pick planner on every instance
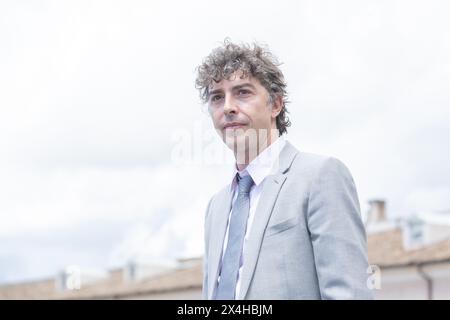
(230, 106)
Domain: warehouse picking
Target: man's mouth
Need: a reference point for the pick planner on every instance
(233, 126)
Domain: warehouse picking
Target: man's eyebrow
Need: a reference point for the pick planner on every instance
(214, 92)
(240, 86)
(237, 87)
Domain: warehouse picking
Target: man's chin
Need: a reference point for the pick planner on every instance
(240, 140)
(242, 147)
(234, 137)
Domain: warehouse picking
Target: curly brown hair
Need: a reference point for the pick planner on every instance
(255, 61)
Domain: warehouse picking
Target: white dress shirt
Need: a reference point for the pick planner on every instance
(262, 166)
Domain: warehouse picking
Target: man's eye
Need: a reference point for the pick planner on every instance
(215, 98)
(243, 91)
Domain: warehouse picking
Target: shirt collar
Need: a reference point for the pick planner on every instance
(262, 165)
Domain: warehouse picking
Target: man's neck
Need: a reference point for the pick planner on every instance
(250, 156)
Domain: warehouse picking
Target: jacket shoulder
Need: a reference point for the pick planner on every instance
(316, 161)
(312, 165)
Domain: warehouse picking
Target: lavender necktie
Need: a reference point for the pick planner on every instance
(236, 233)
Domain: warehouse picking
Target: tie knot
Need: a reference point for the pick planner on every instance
(245, 183)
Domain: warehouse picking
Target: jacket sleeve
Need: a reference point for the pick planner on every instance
(337, 234)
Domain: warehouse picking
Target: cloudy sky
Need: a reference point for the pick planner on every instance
(96, 98)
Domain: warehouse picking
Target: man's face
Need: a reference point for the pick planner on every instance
(240, 108)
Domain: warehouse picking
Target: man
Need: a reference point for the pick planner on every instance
(288, 226)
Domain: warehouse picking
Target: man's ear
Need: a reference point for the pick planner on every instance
(277, 105)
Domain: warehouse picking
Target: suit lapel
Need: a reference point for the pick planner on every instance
(269, 195)
(263, 211)
(219, 225)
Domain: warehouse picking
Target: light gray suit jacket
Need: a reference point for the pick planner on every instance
(307, 239)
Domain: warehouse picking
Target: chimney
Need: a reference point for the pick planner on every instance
(377, 212)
